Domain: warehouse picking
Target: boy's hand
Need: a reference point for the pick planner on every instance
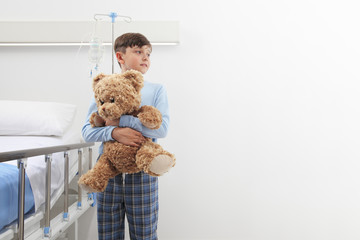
(128, 136)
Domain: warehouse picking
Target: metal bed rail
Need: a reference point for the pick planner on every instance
(21, 157)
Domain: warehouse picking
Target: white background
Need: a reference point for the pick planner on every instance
(265, 115)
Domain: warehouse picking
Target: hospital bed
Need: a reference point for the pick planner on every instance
(40, 155)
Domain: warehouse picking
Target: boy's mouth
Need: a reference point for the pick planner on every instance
(143, 65)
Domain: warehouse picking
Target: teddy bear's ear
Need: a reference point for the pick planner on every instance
(98, 78)
(135, 78)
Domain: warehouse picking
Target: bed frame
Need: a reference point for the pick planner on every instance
(52, 228)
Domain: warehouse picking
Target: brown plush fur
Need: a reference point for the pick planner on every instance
(117, 95)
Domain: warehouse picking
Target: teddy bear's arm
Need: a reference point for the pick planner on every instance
(96, 120)
(150, 117)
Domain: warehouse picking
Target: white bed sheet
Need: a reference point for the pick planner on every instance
(36, 166)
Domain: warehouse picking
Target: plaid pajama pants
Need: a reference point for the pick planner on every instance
(137, 198)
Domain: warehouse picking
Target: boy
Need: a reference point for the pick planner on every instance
(135, 195)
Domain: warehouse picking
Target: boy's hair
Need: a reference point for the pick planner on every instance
(130, 40)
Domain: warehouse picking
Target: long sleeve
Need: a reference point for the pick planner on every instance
(153, 95)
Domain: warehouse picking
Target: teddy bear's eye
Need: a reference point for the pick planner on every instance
(101, 102)
(112, 100)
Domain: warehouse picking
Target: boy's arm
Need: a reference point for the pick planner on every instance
(96, 134)
(125, 136)
(161, 103)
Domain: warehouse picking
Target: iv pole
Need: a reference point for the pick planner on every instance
(112, 15)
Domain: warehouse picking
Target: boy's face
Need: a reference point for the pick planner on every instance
(135, 58)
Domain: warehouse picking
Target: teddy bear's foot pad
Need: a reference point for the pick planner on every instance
(161, 164)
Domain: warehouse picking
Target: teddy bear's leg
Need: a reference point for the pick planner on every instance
(96, 179)
(154, 160)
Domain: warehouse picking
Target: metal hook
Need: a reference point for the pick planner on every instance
(126, 19)
(97, 15)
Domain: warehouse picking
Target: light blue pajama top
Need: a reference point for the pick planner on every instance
(152, 94)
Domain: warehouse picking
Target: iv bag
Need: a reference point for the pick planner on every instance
(96, 50)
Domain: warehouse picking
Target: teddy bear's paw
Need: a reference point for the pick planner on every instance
(161, 164)
(89, 185)
(151, 125)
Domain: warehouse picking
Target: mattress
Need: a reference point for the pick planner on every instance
(35, 173)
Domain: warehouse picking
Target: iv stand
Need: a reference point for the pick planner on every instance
(112, 15)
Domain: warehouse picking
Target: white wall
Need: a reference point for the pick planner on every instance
(264, 110)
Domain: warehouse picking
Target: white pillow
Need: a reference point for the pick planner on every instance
(35, 118)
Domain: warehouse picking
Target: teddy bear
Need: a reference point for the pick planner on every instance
(117, 95)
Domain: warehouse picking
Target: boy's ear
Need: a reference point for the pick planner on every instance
(119, 57)
(135, 78)
(97, 79)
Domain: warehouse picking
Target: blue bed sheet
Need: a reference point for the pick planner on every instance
(9, 179)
